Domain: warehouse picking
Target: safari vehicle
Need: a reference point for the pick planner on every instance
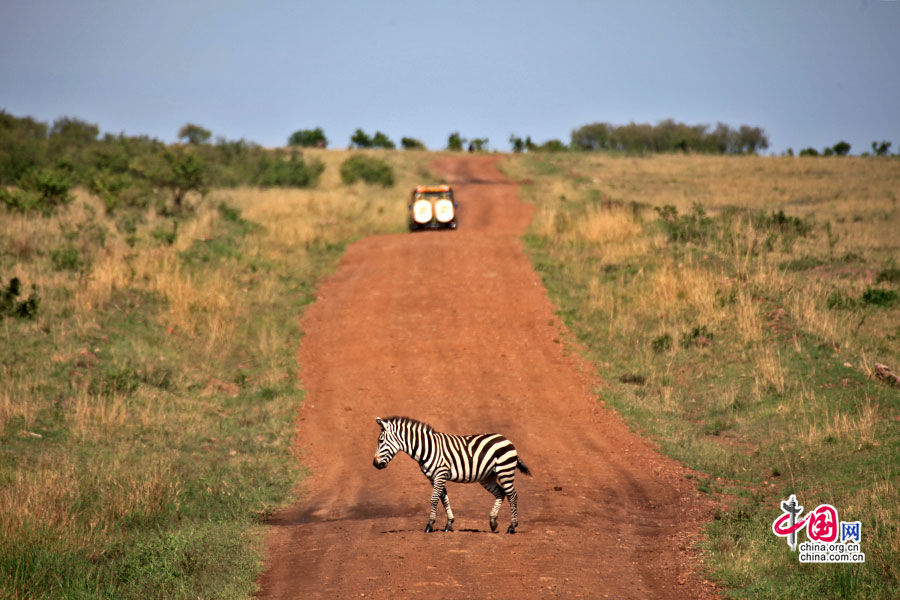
(432, 207)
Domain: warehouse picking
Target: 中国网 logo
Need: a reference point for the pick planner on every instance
(829, 539)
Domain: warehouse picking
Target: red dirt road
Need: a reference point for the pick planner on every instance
(455, 329)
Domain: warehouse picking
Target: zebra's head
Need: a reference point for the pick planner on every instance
(388, 444)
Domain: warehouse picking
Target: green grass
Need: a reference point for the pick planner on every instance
(148, 393)
(739, 336)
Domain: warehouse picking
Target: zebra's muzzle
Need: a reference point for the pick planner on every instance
(378, 465)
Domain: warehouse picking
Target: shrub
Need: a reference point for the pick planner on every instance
(880, 297)
(698, 336)
(888, 275)
(662, 343)
(693, 227)
(40, 190)
(294, 172)
(838, 301)
(66, 258)
(11, 306)
(368, 169)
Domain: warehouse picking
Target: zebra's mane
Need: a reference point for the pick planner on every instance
(408, 420)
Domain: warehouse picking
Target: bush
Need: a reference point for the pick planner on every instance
(368, 169)
(294, 172)
(11, 306)
(693, 227)
(880, 297)
(40, 190)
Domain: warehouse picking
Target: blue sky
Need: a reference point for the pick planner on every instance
(810, 72)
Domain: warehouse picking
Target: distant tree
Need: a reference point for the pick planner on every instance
(529, 145)
(552, 146)
(516, 143)
(74, 131)
(809, 152)
(478, 144)
(380, 140)
(789, 152)
(308, 138)
(882, 149)
(194, 134)
(186, 173)
(409, 143)
(828, 152)
(595, 136)
(455, 142)
(361, 139)
(751, 139)
(842, 148)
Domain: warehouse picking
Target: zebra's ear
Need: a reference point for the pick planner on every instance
(380, 422)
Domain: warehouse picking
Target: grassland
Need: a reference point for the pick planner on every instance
(146, 405)
(736, 307)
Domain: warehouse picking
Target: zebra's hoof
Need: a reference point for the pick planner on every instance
(511, 529)
(493, 525)
(428, 528)
(448, 527)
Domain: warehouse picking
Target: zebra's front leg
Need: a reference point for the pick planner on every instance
(437, 493)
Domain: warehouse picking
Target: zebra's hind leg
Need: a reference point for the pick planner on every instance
(513, 509)
(446, 500)
(506, 483)
(497, 491)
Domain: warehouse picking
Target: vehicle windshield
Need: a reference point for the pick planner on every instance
(432, 195)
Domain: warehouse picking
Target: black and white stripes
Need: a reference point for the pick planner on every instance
(488, 458)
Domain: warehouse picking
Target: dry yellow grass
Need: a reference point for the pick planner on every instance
(203, 309)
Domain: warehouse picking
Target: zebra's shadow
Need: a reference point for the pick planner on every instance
(437, 531)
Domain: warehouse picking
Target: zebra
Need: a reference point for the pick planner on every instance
(488, 458)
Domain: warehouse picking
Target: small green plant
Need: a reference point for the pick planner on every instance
(698, 336)
(66, 258)
(839, 301)
(368, 169)
(695, 227)
(880, 297)
(11, 306)
(888, 275)
(662, 343)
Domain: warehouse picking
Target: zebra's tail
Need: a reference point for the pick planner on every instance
(521, 466)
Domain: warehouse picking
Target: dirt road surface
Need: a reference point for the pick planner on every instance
(455, 329)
